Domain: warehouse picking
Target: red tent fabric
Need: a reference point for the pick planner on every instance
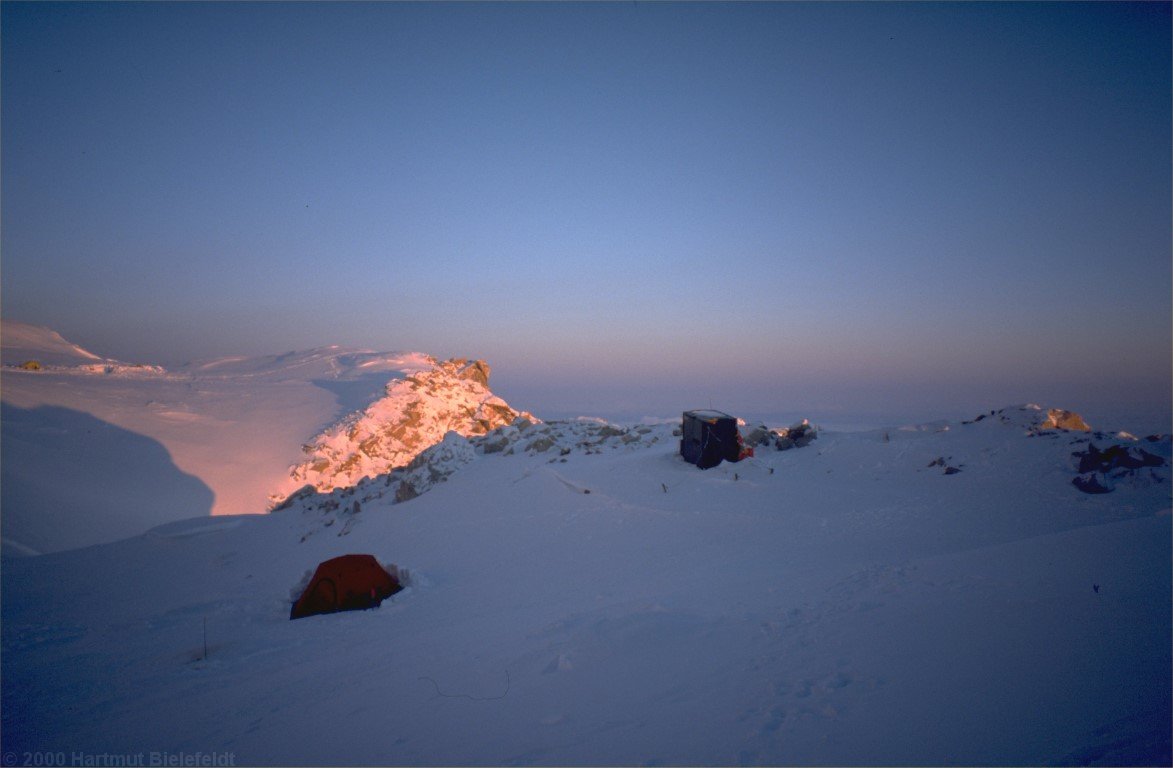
(346, 583)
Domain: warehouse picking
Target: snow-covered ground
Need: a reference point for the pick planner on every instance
(581, 595)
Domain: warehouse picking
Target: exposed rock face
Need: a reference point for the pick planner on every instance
(1034, 419)
(1116, 457)
(1100, 470)
(1057, 418)
(554, 440)
(414, 414)
(477, 370)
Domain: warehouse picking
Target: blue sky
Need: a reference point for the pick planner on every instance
(858, 211)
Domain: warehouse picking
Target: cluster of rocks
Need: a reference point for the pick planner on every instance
(1098, 469)
(797, 435)
(944, 463)
(1034, 420)
(1101, 469)
(587, 436)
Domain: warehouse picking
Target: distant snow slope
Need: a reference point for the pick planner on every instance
(97, 449)
(581, 595)
(23, 343)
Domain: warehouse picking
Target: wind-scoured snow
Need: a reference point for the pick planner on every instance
(581, 595)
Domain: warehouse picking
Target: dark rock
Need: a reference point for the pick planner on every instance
(1115, 457)
(1090, 483)
(405, 492)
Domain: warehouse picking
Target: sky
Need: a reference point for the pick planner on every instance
(859, 212)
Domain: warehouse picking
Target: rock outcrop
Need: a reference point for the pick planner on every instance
(796, 436)
(414, 414)
(1057, 418)
(1101, 469)
(1034, 419)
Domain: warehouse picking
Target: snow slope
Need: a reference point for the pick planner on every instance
(580, 595)
(98, 449)
(23, 343)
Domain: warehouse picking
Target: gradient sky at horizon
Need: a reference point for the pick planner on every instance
(869, 210)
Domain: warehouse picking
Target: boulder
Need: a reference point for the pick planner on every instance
(759, 435)
(405, 492)
(495, 444)
(477, 370)
(1057, 418)
(1091, 483)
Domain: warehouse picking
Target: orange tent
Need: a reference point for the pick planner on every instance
(346, 583)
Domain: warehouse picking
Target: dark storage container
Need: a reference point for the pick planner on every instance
(708, 437)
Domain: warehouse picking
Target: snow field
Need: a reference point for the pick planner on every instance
(854, 605)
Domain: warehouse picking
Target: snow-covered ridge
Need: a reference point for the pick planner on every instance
(33, 348)
(436, 463)
(1098, 462)
(413, 414)
(21, 340)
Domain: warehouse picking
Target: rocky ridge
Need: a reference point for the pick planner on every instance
(1102, 461)
(413, 414)
(1120, 463)
(525, 435)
